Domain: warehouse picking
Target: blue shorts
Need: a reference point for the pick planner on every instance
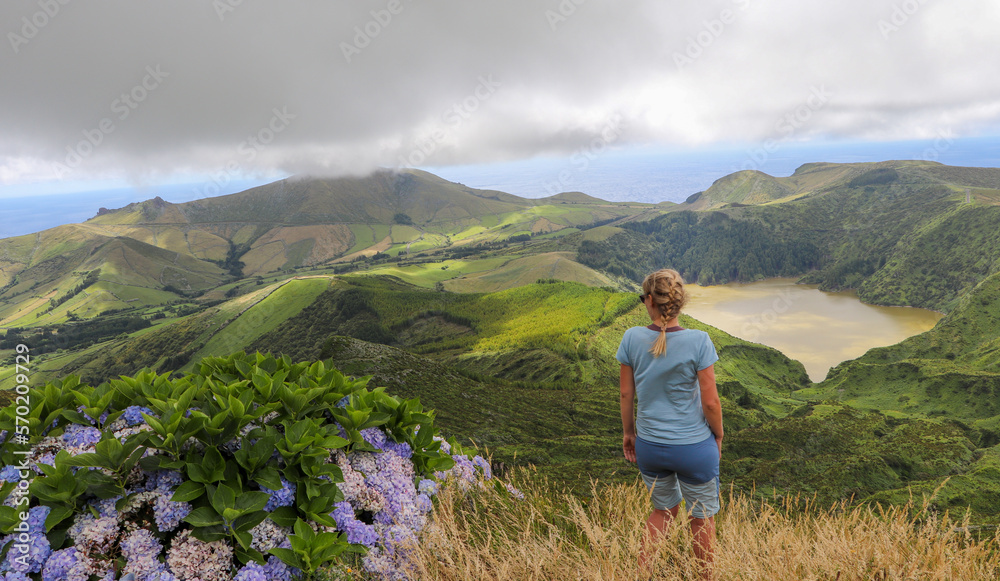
(685, 471)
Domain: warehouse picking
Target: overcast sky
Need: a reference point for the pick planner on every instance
(150, 91)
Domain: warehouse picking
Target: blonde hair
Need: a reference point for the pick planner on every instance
(667, 289)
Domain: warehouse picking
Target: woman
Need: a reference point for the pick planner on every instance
(676, 439)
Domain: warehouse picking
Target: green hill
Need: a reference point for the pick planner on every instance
(358, 270)
(743, 187)
(547, 346)
(953, 370)
(530, 373)
(152, 252)
(901, 233)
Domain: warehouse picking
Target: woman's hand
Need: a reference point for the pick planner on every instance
(627, 384)
(628, 447)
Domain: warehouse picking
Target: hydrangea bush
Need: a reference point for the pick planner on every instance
(252, 469)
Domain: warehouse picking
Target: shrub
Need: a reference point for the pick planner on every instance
(252, 468)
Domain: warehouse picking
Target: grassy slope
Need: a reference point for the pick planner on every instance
(548, 347)
(488, 350)
(258, 313)
(952, 370)
(901, 233)
(290, 224)
(131, 271)
(949, 375)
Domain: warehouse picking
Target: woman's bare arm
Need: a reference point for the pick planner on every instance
(626, 382)
(711, 405)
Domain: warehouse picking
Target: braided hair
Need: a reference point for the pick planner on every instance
(667, 289)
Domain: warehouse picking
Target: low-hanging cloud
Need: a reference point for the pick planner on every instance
(151, 89)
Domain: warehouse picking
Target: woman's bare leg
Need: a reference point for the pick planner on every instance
(656, 524)
(703, 531)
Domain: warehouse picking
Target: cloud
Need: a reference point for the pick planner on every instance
(151, 89)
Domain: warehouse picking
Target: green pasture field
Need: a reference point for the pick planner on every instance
(426, 275)
(284, 302)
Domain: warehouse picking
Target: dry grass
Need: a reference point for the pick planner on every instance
(549, 535)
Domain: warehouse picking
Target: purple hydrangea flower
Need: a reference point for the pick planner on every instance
(401, 449)
(514, 492)
(252, 572)
(26, 557)
(36, 518)
(10, 474)
(428, 487)
(106, 507)
(483, 465)
(358, 532)
(277, 570)
(59, 564)
(163, 480)
(133, 414)
(169, 514)
(77, 436)
(279, 498)
(374, 436)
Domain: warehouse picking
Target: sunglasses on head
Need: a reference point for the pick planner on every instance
(642, 298)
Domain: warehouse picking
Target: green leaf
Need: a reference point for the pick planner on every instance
(87, 460)
(247, 555)
(57, 514)
(203, 517)
(244, 539)
(303, 530)
(269, 478)
(198, 474)
(239, 410)
(242, 367)
(252, 501)
(284, 516)
(221, 498)
(188, 491)
(76, 417)
(155, 424)
(249, 521)
(288, 557)
(214, 464)
(323, 519)
(111, 449)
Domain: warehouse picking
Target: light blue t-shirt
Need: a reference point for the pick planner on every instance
(669, 410)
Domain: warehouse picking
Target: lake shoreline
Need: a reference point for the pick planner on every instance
(818, 328)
